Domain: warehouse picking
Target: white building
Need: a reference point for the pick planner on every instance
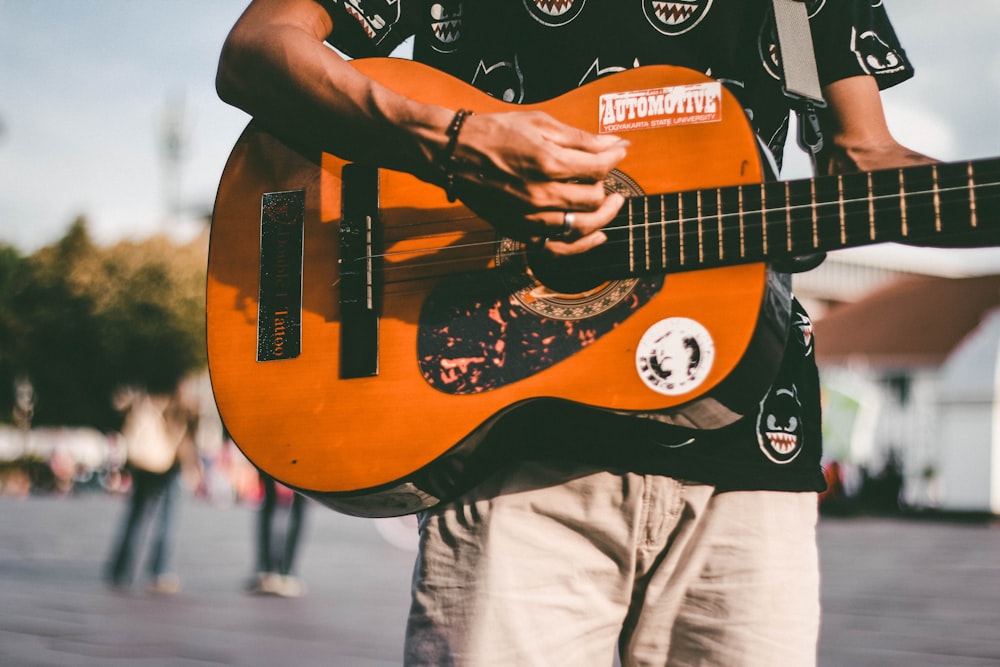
(912, 369)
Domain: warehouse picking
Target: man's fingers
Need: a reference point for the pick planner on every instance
(578, 246)
(571, 232)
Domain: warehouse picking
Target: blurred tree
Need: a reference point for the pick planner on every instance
(13, 269)
(85, 319)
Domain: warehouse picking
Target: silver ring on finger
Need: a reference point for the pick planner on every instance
(567, 226)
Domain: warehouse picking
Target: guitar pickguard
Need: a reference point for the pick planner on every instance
(476, 333)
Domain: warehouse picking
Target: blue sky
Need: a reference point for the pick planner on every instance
(85, 86)
(84, 89)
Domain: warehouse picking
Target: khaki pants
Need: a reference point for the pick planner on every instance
(556, 565)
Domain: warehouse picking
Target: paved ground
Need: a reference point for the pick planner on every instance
(896, 592)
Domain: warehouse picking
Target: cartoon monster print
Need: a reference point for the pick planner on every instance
(804, 326)
(446, 25)
(554, 12)
(596, 71)
(376, 17)
(874, 55)
(779, 428)
(675, 17)
(503, 80)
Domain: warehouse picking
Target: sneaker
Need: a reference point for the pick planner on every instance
(165, 584)
(265, 583)
(291, 587)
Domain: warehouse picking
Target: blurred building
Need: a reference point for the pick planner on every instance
(910, 366)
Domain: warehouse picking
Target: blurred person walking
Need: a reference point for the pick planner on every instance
(159, 440)
(276, 555)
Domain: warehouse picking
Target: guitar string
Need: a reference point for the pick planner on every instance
(984, 192)
(792, 208)
(751, 212)
(443, 268)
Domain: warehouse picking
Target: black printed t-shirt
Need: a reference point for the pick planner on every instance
(526, 51)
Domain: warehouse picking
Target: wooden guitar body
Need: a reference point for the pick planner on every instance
(461, 335)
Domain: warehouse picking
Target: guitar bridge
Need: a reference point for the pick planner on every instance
(360, 247)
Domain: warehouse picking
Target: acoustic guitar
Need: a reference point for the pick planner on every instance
(367, 337)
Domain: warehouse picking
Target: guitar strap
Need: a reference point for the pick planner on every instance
(801, 84)
(801, 79)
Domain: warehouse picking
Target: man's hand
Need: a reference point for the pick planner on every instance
(535, 178)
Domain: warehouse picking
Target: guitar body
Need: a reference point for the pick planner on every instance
(464, 338)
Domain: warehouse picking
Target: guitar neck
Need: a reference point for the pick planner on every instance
(928, 204)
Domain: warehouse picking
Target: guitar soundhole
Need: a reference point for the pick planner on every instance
(589, 298)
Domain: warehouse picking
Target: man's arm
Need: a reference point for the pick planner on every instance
(521, 171)
(858, 139)
(856, 133)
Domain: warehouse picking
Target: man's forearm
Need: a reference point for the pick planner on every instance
(275, 66)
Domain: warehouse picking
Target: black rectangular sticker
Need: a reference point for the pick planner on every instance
(279, 313)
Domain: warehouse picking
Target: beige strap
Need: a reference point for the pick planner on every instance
(798, 60)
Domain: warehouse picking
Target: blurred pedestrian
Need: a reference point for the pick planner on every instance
(276, 557)
(158, 431)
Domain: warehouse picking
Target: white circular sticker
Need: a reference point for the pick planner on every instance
(674, 356)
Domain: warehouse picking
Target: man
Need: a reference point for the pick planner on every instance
(680, 547)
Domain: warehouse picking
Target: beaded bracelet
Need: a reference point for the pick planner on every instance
(446, 159)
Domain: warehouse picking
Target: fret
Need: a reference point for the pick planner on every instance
(720, 223)
(631, 236)
(638, 233)
(871, 210)
(788, 218)
(973, 213)
(672, 232)
(955, 207)
(692, 237)
(885, 201)
(814, 213)
(663, 231)
(680, 226)
(763, 218)
(708, 228)
(840, 209)
(653, 229)
(743, 238)
(937, 198)
(645, 232)
(905, 225)
(701, 230)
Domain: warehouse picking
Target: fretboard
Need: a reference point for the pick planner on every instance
(939, 203)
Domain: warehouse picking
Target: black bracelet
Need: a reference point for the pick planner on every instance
(446, 159)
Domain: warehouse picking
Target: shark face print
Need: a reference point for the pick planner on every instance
(554, 12)
(779, 428)
(446, 25)
(375, 18)
(675, 17)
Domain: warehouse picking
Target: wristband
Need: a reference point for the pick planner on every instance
(446, 159)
